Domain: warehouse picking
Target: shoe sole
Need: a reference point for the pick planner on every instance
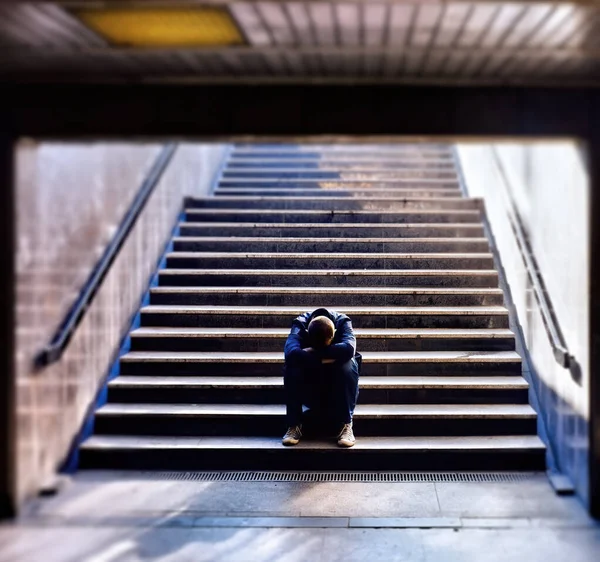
(346, 443)
(290, 443)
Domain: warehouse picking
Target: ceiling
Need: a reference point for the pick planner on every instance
(399, 41)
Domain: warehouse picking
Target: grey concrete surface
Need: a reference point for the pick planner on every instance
(109, 516)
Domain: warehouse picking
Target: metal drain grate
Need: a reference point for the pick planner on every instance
(266, 476)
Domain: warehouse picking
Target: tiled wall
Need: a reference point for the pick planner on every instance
(550, 188)
(70, 200)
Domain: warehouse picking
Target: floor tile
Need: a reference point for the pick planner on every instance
(510, 499)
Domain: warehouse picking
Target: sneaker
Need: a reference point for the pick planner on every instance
(346, 436)
(292, 435)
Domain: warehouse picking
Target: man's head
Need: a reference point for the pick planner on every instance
(320, 332)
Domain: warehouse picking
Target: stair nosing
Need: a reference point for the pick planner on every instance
(365, 382)
(334, 189)
(356, 310)
(332, 272)
(329, 255)
(316, 240)
(424, 444)
(264, 357)
(363, 411)
(199, 211)
(406, 225)
(283, 181)
(244, 198)
(416, 333)
(464, 291)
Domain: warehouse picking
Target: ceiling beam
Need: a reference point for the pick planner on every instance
(323, 50)
(171, 3)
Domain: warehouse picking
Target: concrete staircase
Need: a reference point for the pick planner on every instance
(380, 232)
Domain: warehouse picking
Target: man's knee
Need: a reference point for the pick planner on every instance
(347, 370)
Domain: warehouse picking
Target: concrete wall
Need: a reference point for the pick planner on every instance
(550, 188)
(70, 199)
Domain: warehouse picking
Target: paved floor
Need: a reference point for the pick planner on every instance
(104, 517)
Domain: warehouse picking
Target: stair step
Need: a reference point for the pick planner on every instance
(281, 174)
(498, 452)
(344, 245)
(354, 148)
(347, 151)
(313, 296)
(269, 419)
(385, 383)
(333, 203)
(329, 148)
(366, 230)
(361, 333)
(269, 390)
(332, 278)
(368, 357)
(363, 411)
(273, 339)
(363, 317)
(333, 165)
(314, 260)
(444, 157)
(354, 166)
(336, 217)
(339, 192)
(265, 363)
(410, 183)
(342, 161)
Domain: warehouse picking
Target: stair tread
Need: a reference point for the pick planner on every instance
(389, 382)
(368, 356)
(195, 211)
(311, 190)
(327, 148)
(312, 272)
(338, 290)
(441, 155)
(324, 240)
(253, 179)
(433, 443)
(246, 198)
(447, 225)
(332, 167)
(334, 162)
(360, 332)
(386, 175)
(332, 255)
(417, 411)
(349, 310)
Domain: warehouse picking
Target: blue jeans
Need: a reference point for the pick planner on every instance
(331, 389)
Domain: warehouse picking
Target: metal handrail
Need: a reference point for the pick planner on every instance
(560, 349)
(53, 351)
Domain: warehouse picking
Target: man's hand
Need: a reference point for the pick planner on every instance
(323, 361)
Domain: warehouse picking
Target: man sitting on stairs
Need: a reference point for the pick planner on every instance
(321, 372)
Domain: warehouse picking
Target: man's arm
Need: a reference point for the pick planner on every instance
(293, 352)
(344, 350)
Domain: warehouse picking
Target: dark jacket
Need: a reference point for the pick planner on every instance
(341, 350)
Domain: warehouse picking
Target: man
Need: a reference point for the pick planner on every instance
(321, 372)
